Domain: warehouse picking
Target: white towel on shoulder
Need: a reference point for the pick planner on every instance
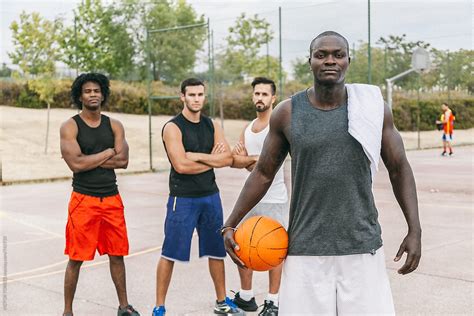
(365, 107)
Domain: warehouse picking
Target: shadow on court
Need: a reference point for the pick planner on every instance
(33, 219)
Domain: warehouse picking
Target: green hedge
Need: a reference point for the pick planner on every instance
(236, 102)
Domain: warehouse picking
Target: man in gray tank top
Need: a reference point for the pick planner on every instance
(335, 262)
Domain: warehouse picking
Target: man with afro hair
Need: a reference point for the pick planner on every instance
(93, 145)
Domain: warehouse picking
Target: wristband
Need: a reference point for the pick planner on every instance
(224, 228)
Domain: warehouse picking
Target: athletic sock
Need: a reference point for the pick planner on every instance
(246, 295)
(273, 298)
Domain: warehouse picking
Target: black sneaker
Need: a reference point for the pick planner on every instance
(269, 309)
(248, 306)
(127, 311)
(443, 153)
(227, 307)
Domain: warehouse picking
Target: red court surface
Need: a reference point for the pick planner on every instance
(33, 219)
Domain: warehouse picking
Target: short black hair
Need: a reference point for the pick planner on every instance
(190, 82)
(100, 79)
(263, 80)
(328, 33)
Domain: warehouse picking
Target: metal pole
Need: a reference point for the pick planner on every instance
(47, 129)
(213, 82)
(389, 93)
(75, 44)
(418, 112)
(369, 70)
(268, 59)
(211, 106)
(175, 28)
(390, 83)
(280, 74)
(449, 78)
(149, 78)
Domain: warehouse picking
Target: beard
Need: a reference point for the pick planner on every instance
(91, 108)
(261, 107)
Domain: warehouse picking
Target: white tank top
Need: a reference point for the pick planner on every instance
(254, 144)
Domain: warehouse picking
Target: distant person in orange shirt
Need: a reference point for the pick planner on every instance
(447, 121)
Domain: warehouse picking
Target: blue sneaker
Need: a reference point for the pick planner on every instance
(227, 307)
(159, 311)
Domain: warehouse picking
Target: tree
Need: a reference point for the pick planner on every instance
(453, 70)
(241, 57)
(35, 43)
(172, 53)
(301, 71)
(5, 71)
(399, 52)
(100, 41)
(357, 72)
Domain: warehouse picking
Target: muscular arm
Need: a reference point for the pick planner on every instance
(240, 156)
(71, 151)
(404, 188)
(120, 160)
(275, 149)
(172, 139)
(220, 155)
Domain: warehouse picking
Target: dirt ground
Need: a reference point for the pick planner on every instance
(23, 138)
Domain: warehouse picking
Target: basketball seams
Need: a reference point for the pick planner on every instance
(262, 231)
(251, 237)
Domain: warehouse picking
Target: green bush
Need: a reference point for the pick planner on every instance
(405, 113)
(236, 101)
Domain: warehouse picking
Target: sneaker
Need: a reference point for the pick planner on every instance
(269, 309)
(227, 307)
(159, 311)
(127, 310)
(443, 153)
(451, 154)
(248, 306)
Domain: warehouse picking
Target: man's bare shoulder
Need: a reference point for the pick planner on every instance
(282, 111)
(115, 123)
(170, 128)
(68, 126)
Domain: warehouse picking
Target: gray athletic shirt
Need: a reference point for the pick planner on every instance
(332, 207)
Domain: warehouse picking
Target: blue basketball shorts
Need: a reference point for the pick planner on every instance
(447, 137)
(185, 214)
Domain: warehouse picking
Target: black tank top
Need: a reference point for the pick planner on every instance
(197, 138)
(99, 181)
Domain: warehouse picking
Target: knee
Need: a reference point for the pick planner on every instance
(116, 259)
(74, 264)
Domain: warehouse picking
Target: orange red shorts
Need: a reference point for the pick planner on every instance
(95, 223)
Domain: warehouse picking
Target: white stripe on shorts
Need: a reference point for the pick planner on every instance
(336, 285)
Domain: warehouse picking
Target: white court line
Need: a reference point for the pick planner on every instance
(83, 267)
(32, 240)
(5, 215)
(38, 269)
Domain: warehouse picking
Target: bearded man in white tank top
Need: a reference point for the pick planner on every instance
(275, 202)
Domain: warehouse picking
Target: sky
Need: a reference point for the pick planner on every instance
(446, 25)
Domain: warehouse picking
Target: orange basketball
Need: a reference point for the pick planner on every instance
(263, 243)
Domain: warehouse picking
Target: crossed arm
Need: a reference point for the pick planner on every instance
(241, 158)
(79, 162)
(120, 160)
(404, 188)
(194, 163)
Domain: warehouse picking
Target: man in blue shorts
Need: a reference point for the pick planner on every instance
(195, 145)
